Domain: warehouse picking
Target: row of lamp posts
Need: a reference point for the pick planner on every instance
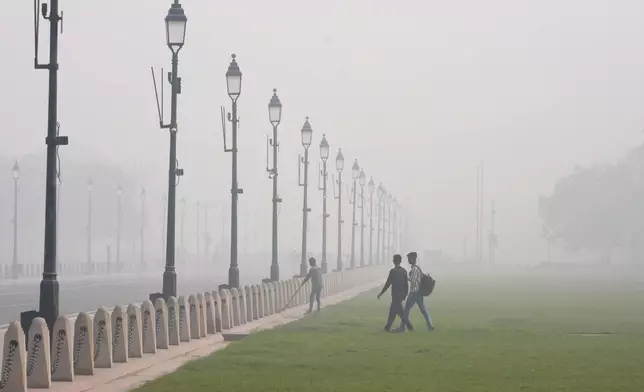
(176, 22)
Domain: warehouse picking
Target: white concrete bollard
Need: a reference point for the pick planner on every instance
(234, 296)
(38, 358)
(203, 327)
(241, 300)
(216, 303)
(83, 345)
(298, 294)
(226, 317)
(14, 363)
(184, 320)
(134, 343)
(194, 324)
(254, 295)
(287, 290)
(281, 296)
(211, 324)
(276, 299)
(119, 335)
(265, 299)
(149, 328)
(161, 323)
(62, 350)
(293, 292)
(173, 322)
(271, 298)
(102, 339)
(260, 301)
(248, 297)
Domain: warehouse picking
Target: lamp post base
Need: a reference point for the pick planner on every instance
(169, 284)
(233, 276)
(49, 291)
(275, 272)
(325, 266)
(303, 270)
(16, 271)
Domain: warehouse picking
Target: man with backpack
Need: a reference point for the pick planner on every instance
(420, 286)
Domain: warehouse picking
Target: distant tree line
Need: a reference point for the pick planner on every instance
(598, 209)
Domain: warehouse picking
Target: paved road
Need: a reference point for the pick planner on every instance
(89, 293)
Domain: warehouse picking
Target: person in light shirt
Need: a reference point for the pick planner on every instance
(415, 296)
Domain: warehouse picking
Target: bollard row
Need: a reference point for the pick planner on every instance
(108, 338)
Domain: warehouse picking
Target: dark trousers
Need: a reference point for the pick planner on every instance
(315, 296)
(396, 309)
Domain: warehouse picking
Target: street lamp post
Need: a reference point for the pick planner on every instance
(90, 190)
(307, 135)
(363, 181)
(394, 228)
(324, 155)
(275, 117)
(370, 189)
(233, 84)
(175, 23)
(355, 173)
(339, 166)
(379, 259)
(15, 172)
(119, 219)
(49, 287)
(384, 202)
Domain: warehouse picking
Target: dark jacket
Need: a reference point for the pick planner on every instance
(397, 279)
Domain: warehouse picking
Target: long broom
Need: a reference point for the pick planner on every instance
(288, 304)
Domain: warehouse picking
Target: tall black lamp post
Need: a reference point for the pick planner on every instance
(383, 210)
(380, 193)
(324, 155)
(363, 181)
(233, 84)
(275, 116)
(175, 25)
(355, 173)
(49, 288)
(307, 135)
(339, 166)
(370, 189)
(15, 172)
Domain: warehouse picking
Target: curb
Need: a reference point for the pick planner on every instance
(132, 375)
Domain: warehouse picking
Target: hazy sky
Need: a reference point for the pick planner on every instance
(419, 91)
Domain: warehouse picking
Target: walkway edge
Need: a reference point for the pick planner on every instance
(126, 377)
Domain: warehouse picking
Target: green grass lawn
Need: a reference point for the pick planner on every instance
(519, 333)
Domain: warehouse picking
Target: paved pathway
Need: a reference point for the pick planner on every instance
(125, 377)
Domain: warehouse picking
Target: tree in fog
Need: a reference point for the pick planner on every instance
(598, 208)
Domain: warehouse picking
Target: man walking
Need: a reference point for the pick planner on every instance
(397, 279)
(415, 296)
(315, 276)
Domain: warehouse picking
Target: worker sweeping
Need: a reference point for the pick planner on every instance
(315, 276)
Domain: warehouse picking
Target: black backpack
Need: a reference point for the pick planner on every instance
(427, 284)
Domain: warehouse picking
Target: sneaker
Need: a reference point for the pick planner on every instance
(431, 328)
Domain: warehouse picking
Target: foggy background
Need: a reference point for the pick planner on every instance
(420, 92)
